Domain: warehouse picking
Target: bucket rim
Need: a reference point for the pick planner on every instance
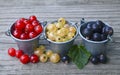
(79, 28)
(65, 41)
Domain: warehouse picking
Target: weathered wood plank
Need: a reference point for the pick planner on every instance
(56, 2)
(50, 10)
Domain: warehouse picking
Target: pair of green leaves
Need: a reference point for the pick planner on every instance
(79, 55)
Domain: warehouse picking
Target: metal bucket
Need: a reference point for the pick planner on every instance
(94, 47)
(27, 46)
(62, 47)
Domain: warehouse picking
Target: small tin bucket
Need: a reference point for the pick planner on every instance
(28, 45)
(94, 47)
(62, 47)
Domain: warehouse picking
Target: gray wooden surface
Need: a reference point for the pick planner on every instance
(49, 10)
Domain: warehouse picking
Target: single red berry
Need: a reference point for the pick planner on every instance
(38, 29)
(17, 33)
(35, 23)
(19, 53)
(32, 18)
(29, 28)
(24, 59)
(24, 36)
(22, 19)
(19, 25)
(34, 58)
(32, 34)
(27, 21)
(11, 52)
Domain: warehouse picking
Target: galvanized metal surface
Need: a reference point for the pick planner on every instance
(50, 10)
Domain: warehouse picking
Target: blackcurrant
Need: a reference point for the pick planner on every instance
(100, 24)
(87, 33)
(94, 60)
(96, 28)
(103, 58)
(65, 59)
(107, 30)
(96, 37)
(89, 25)
(103, 37)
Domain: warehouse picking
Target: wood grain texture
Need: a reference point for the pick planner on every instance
(50, 10)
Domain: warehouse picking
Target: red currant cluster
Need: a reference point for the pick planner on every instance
(27, 28)
(24, 58)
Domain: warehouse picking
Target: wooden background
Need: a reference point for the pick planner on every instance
(50, 10)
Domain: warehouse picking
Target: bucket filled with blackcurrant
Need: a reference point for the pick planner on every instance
(95, 35)
(61, 35)
(26, 33)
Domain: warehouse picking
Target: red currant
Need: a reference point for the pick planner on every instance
(27, 21)
(24, 36)
(11, 52)
(22, 19)
(19, 25)
(25, 59)
(38, 29)
(29, 28)
(17, 33)
(19, 53)
(35, 23)
(34, 58)
(32, 18)
(32, 34)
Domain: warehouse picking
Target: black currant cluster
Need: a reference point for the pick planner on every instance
(97, 31)
(102, 58)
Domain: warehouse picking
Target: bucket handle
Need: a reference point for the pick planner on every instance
(74, 23)
(7, 32)
(82, 21)
(110, 39)
(43, 23)
(43, 37)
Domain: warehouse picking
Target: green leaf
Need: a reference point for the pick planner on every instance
(79, 55)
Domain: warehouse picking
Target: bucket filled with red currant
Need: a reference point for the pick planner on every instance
(95, 35)
(26, 33)
(61, 35)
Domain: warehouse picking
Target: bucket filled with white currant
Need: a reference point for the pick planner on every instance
(61, 35)
(95, 35)
(26, 33)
